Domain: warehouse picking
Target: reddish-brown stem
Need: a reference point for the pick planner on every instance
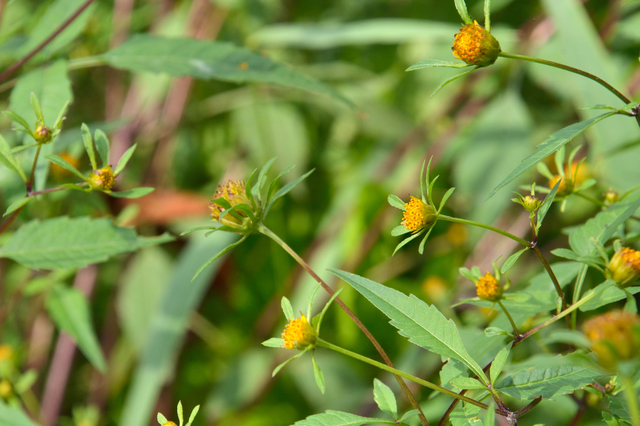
(16, 66)
(63, 356)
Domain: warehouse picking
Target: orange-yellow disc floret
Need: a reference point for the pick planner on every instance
(475, 45)
(299, 334)
(234, 192)
(488, 288)
(418, 215)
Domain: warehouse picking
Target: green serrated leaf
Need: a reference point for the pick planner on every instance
(553, 143)
(70, 311)
(383, 396)
(436, 63)
(550, 381)
(423, 324)
(208, 60)
(340, 418)
(467, 383)
(63, 243)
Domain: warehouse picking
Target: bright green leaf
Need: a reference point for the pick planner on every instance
(339, 418)
(383, 396)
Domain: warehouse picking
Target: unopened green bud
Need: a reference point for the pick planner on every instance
(42, 134)
(531, 203)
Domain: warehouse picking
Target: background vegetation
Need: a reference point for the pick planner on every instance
(166, 338)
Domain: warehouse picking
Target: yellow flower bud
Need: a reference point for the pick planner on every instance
(169, 423)
(531, 203)
(418, 215)
(234, 192)
(42, 134)
(102, 179)
(624, 266)
(299, 334)
(5, 389)
(488, 288)
(613, 336)
(476, 46)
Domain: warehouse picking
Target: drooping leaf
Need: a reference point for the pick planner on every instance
(423, 324)
(553, 143)
(62, 243)
(383, 396)
(70, 311)
(548, 381)
(208, 60)
(18, 204)
(339, 418)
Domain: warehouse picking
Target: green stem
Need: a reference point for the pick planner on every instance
(86, 62)
(560, 315)
(591, 199)
(577, 289)
(570, 69)
(556, 284)
(489, 227)
(632, 399)
(266, 231)
(513, 324)
(33, 169)
(397, 372)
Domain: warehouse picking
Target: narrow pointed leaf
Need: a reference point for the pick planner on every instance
(124, 160)
(423, 324)
(61, 162)
(70, 311)
(546, 205)
(18, 119)
(553, 143)
(287, 309)
(102, 145)
(498, 363)
(508, 264)
(436, 63)
(454, 78)
(220, 253)
(87, 140)
(17, 205)
(487, 15)
(37, 110)
(339, 418)
(462, 11)
(132, 193)
(317, 374)
(288, 187)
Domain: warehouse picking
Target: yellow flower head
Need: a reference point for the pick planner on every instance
(102, 179)
(613, 336)
(488, 288)
(234, 192)
(476, 46)
(418, 215)
(624, 266)
(565, 188)
(299, 334)
(169, 423)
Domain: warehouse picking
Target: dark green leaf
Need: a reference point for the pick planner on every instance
(208, 60)
(423, 324)
(62, 243)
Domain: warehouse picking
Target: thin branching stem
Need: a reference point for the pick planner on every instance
(513, 324)
(266, 231)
